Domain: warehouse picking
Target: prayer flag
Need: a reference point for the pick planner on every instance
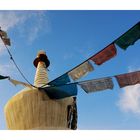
(104, 55)
(15, 82)
(128, 79)
(3, 77)
(81, 70)
(97, 85)
(4, 38)
(60, 80)
(60, 92)
(129, 38)
(3, 34)
(6, 41)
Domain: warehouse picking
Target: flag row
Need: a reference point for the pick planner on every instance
(86, 67)
(95, 85)
(124, 41)
(67, 90)
(107, 83)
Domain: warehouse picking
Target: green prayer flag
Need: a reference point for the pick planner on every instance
(3, 77)
(129, 38)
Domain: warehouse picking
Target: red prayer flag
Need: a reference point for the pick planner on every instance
(104, 55)
(128, 79)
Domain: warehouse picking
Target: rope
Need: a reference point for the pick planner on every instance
(11, 57)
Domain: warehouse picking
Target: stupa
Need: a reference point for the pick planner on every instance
(32, 109)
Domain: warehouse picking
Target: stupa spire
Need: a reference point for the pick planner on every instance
(41, 63)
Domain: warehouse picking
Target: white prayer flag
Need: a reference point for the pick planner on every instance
(15, 82)
(97, 85)
(81, 70)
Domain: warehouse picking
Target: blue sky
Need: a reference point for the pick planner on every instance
(70, 37)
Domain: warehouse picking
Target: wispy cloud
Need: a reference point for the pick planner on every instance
(9, 19)
(133, 68)
(68, 56)
(28, 24)
(7, 69)
(1, 47)
(35, 23)
(129, 99)
(85, 51)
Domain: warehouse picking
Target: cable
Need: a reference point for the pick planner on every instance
(11, 57)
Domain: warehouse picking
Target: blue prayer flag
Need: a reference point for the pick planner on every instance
(3, 77)
(60, 92)
(60, 80)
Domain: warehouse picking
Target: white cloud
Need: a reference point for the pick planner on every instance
(41, 25)
(129, 100)
(133, 68)
(19, 20)
(68, 56)
(1, 47)
(7, 69)
(85, 51)
(9, 19)
(27, 25)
